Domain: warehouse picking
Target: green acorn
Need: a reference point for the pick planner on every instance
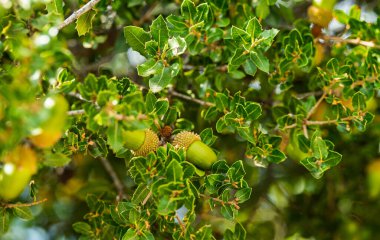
(197, 152)
(141, 142)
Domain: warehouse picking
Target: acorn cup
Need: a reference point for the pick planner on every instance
(141, 142)
(197, 152)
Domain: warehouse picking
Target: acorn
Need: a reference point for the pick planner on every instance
(197, 152)
(141, 142)
(319, 16)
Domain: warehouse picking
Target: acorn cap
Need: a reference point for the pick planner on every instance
(185, 139)
(141, 142)
(197, 152)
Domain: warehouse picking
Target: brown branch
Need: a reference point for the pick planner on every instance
(115, 179)
(14, 205)
(327, 122)
(75, 15)
(356, 41)
(362, 82)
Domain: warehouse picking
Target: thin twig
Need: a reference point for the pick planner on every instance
(186, 97)
(181, 223)
(78, 96)
(75, 112)
(146, 198)
(312, 110)
(356, 41)
(75, 15)
(308, 94)
(115, 179)
(326, 122)
(14, 205)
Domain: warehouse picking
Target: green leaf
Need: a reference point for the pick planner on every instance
(228, 211)
(115, 136)
(221, 101)
(56, 159)
(207, 136)
(332, 159)
(243, 194)
(150, 67)
(131, 234)
(250, 67)
(82, 228)
(254, 28)
(146, 235)
(166, 206)
(84, 22)
(174, 171)
(4, 220)
(160, 80)
(150, 101)
(55, 6)
(358, 101)
(236, 171)
(319, 148)
(23, 213)
(177, 26)
(253, 110)
(188, 10)
(160, 32)
(204, 14)
(177, 46)
(260, 61)
(303, 143)
(239, 233)
(276, 156)
(136, 38)
(237, 59)
(161, 106)
(140, 194)
(240, 36)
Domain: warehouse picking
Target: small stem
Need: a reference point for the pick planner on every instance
(291, 126)
(233, 203)
(305, 133)
(87, 7)
(14, 205)
(115, 179)
(356, 41)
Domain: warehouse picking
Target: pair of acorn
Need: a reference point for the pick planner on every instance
(144, 141)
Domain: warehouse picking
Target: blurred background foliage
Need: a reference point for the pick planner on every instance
(38, 59)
